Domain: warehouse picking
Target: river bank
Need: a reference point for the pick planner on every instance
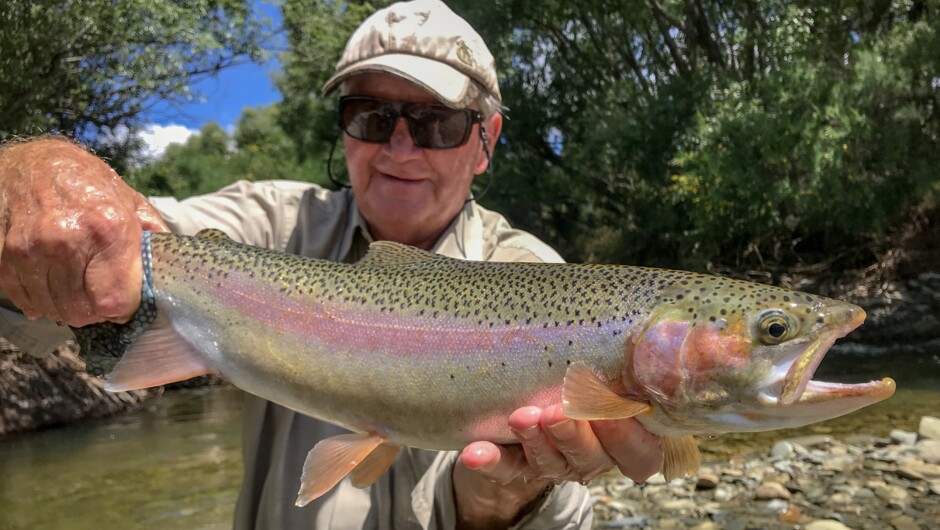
(817, 482)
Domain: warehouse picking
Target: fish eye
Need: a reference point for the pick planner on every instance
(775, 326)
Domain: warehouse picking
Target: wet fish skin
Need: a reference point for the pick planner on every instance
(410, 348)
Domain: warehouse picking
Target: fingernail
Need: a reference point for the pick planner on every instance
(563, 430)
(528, 433)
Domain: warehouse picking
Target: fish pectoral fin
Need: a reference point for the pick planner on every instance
(680, 456)
(160, 356)
(585, 396)
(374, 466)
(331, 460)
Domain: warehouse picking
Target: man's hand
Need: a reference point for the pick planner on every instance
(70, 232)
(494, 484)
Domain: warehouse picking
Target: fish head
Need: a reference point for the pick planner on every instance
(721, 355)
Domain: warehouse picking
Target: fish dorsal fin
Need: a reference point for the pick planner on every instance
(585, 397)
(331, 460)
(391, 253)
(213, 234)
(680, 456)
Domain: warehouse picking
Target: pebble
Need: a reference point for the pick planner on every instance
(929, 451)
(929, 428)
(826, 524)
(869, 483)
(706, 481)
(772, 490)
(903, 437)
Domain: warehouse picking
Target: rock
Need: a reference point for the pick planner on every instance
(826, 524)
(707, 525)
(706, 481)
(929, 428)
(895, 496)
(911, 471)
(772, 490)
(930, 471)
(903, 437)
(679, 505)
(783, 449)
(627, 522)
(725, 493)
(791, 515)
(929, 451)
(840, 498)
(777, 505)
(903, 522)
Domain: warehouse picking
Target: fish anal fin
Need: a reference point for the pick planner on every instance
(160, 356)
(681, 457)
(374, 466)
(585, 396)
(331, 460)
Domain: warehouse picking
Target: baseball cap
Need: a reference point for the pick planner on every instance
(424, 42)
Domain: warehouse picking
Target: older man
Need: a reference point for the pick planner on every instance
(420, 117)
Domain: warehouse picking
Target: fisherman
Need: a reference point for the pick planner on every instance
(420, 115)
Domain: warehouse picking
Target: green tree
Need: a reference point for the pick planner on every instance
(85, 66)
(257, 150)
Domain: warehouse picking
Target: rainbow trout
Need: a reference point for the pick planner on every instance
(411, 348)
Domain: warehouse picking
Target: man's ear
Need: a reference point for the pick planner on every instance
(494, 126)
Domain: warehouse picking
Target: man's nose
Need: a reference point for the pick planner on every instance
(400, 143)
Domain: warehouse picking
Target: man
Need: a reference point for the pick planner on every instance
(419, 113)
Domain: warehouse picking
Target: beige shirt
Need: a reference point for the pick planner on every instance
(417, 492)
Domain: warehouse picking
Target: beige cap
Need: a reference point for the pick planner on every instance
(424, 42)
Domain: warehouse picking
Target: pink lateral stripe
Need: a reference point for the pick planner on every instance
(372, 330)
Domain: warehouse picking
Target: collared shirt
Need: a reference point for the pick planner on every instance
(417, 492)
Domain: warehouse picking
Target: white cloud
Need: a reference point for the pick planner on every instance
(157, 137)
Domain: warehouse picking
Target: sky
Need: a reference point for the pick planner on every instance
(221, 98)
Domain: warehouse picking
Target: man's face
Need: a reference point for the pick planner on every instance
(406, 193)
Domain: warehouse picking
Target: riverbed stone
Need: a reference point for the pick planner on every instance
(895, 496)
(904, 522)
(783, 449)
(826, 524)
(707, 481)
(901, 437)
(929, 451)
(772, 490)
(929, 428)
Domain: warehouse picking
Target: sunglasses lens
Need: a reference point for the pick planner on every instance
(438, 127)
(431, 126)
(368, 120)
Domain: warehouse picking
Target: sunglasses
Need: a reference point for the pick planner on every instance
(431, 126)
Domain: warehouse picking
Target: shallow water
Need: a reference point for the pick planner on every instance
(176, 464)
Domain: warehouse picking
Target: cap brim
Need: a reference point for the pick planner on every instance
(447, 83)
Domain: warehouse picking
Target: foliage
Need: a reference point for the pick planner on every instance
(257, 150)
(83, 66)
(681, 132)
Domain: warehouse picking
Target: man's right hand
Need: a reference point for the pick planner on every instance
(70, 233)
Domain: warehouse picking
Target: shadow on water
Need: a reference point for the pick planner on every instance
(175, 464)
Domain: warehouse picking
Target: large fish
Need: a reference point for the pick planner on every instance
(411, 348)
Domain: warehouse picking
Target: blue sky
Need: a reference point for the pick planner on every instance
(220, 99)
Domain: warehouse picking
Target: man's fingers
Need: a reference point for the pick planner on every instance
(636, 451)
(544, 459)
(578, 443)
(497, 463)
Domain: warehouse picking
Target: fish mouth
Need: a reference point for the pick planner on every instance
(799, 387)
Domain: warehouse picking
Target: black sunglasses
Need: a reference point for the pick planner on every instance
(431, 126)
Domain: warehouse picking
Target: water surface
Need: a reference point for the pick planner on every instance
(176, 464)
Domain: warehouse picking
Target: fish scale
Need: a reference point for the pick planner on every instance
(406, 347)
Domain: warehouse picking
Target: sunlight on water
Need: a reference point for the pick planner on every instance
(174, 465)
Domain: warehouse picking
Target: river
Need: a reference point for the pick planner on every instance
(176, 463)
